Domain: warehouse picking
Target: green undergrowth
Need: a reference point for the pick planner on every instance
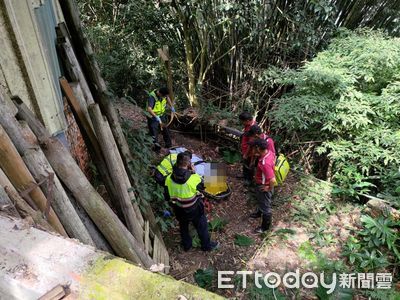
(341, 239)
(145, 187)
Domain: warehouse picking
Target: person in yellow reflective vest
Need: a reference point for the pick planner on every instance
(183, 188)
(156, 106)
(165, 167)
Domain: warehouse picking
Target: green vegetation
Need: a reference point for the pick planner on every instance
(204, 277)
(344, 104)
(231, 156)
(217, 224)
(140, 144)
(375, 247)
(219, 49)
(242, 240)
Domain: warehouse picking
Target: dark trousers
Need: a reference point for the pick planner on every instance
(248, 170)
(264, 206)
(196, 216)
(154, 129)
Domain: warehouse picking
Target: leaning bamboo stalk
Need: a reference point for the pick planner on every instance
(121, 167)
(120, 239)
(86, 59)
(116, 171)
(19, 175)
(91, 69)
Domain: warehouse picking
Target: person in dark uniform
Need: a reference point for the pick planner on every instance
(183, 188)
(156, 106)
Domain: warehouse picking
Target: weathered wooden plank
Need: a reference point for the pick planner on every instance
(147, 242)
(156, 255)
(56, 293)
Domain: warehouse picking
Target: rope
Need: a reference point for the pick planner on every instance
(172, 119)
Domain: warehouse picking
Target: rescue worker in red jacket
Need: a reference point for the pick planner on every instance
(255, 132)
(265, 181)
(247, 121)
(183, 188)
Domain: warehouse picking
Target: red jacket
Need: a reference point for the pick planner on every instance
(245, 139)
(270, 143)
(265, 171)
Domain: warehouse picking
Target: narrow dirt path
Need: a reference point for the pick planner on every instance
(235, 211)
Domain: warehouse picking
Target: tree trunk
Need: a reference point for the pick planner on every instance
(120, 239)
(19, 175)
(190, 66)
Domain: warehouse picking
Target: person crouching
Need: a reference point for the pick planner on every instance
(183, 188)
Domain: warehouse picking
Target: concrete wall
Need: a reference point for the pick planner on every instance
(33, 262)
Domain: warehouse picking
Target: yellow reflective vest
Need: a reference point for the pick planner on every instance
(165, 166)
(159, 104)
(184, 195)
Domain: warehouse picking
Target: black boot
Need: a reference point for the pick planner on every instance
(256, 214)
(265, 224)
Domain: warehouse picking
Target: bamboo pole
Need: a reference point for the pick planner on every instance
(19, 175)
(92, 141)
(117, 171)
(120, 239)
(71, 62)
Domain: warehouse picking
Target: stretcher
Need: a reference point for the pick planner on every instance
(214, 175)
